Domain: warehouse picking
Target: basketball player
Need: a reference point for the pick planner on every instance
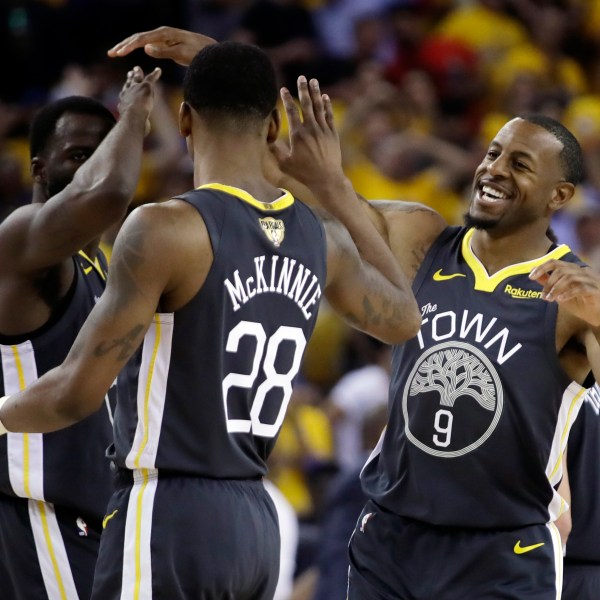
(213, 296)
(54, 488)
(462, 484)
(483, 398)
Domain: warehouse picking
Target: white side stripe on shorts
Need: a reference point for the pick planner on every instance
(137, 564)
(51, 552)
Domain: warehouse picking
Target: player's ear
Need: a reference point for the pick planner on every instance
(562, 193)
(274, 126)
(185, 119)
(37, 170)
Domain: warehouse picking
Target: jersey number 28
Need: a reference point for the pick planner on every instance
(272, 379)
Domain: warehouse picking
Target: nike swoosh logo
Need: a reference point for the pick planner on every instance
(518, 549)
(437, 276)
(86, 270)
(108, 518)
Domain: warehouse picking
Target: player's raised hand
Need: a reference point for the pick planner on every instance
(137, 93)
(314, 155)
(574, 288)
(178, 45)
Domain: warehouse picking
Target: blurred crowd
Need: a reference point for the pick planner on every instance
(419, 88)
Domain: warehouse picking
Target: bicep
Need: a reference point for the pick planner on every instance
(39, 235)
(119, 321)
(410, 230)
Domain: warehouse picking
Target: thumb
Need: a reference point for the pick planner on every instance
(158, 50)
(154, 76)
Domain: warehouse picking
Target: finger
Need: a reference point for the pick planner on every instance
(304, 97)
(291, 110)
(138, 74)
(557, 284)
(317, 103)
(329, 112)
(568, 295)
(543, 269)
(137, 40)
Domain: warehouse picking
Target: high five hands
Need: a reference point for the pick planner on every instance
(314, 155)
(175, 44)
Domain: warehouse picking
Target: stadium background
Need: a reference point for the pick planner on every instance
(419, 88)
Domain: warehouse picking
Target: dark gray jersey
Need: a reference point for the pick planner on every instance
(206, 393)
(66, 467)
(480, 408)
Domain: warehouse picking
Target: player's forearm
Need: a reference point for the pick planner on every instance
(108, 180)
(48, 404)
(354, 215)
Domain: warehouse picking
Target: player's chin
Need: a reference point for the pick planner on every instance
(478, 221)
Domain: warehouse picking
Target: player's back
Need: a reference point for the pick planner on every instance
(207, 391)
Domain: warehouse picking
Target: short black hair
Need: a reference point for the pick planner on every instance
(571, 156)
(231, 79)
(44, 122)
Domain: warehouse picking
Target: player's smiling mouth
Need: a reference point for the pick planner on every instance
(491, 194)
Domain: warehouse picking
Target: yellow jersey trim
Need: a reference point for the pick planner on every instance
(95, 264)
(488, 283)
(286, 199)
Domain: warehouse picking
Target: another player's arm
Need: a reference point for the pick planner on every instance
(576, 290)
(364, 298)
(314, 158)
(178, 45)
(41, 235)
(150, 259)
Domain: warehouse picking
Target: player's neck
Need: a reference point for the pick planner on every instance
(498, 252)
(235, 163)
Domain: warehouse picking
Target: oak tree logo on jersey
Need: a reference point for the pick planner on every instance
(452, 400)
(274, 229)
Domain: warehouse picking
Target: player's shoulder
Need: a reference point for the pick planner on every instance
(159, 215)
(400, 212)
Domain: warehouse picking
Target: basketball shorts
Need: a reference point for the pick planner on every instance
(47, 552)
(394, 558)
(175, 538)
(581, 581)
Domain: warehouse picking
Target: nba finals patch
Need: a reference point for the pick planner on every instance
(274, 229)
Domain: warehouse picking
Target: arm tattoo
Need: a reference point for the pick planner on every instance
(126, 345)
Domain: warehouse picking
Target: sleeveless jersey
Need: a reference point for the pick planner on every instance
(583, 458)
(206, 393)
(66, 467)
(480, 407)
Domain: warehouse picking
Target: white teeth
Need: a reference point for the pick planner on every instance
(494, 193)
